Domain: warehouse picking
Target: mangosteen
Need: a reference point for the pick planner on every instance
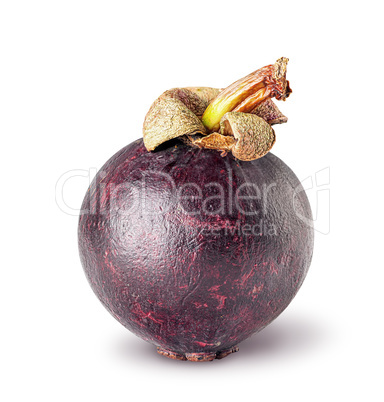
(193, 237)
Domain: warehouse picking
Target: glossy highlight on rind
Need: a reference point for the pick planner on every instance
(194, 273)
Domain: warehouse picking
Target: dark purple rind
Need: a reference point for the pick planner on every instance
(164, 276)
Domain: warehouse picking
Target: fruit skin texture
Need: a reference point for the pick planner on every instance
(189, 273)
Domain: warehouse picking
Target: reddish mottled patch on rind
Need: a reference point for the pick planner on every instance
(162, 273)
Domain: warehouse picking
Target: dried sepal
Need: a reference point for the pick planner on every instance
(255, 137)
(169, 118)
(268, 111)
(176, 113)
(191, 99)
(247, 136)
(206, 94)
(242, 112)
(216, 141)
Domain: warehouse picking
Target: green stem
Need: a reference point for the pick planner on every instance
(247, 93)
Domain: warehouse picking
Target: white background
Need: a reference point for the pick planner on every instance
(76, 79)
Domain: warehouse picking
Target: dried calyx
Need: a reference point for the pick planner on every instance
(237, 119)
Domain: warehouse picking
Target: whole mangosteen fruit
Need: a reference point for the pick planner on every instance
(191, 249)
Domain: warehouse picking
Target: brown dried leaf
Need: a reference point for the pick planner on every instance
(169, 118)
(216, 141)
(255, 137)
(195, 103)
(268, 111)
(206, 94)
